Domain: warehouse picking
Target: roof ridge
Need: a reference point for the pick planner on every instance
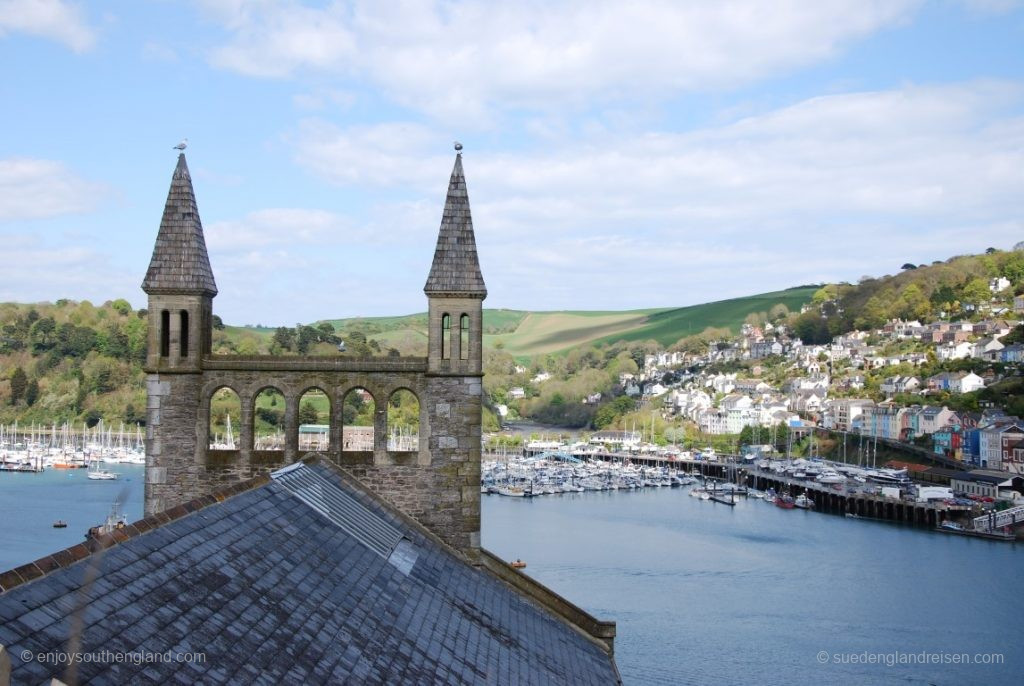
(61, 559)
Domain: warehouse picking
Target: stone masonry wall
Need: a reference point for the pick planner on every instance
(446, 496)
(172, 474)
(439, 485)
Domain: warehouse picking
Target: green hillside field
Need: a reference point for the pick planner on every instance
(668, 326)
(523, 333)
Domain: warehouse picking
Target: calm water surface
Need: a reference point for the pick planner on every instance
(702, 593)
(707, 594)
(30, 503)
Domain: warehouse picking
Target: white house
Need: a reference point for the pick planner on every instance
(999, 283)
(954, 351)
(967, 383)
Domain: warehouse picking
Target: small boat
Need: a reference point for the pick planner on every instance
(786, 502)
(803, 502)
(952, 526)
(850, 515)
(60, 524)
(517, 564)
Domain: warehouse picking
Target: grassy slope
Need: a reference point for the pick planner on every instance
(533, 333)
(547, 332)
(668, 326)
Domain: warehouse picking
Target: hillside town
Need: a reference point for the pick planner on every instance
(875, 385)
(826, 386)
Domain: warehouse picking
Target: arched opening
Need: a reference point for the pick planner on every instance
(446, 331)
(464, 337)
(403, 421)
(183, 337)
(165, 333)
(357, 412)
(268, 420)
(225, 419)
(314, 421)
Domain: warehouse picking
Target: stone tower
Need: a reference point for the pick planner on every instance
(437, 481)
(180, 288)
(455, 288)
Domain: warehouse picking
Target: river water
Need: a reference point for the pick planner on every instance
(701, 593)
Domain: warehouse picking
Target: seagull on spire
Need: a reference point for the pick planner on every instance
(182, 145)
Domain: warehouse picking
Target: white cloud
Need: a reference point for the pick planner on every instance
(834, 185)
(35, 189)
(274, 228)
(459, 61)
(274, 39)
(388, 154)
(61, 21)
(72, 271)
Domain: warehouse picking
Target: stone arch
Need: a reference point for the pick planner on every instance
(403, 420)
(314, 420)
(224, 418)
(268, 419)
(357, 413)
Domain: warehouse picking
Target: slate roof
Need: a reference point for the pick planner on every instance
(456, 269)
(180, 262)
(303, 578)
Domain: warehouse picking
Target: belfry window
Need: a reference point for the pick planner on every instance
(183, 336)
(165, 334)
(464, 337)
(446, 332)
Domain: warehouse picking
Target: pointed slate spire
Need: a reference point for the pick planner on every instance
(456, 269)
(180, 263)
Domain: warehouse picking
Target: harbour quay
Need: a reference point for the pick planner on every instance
(830, 487)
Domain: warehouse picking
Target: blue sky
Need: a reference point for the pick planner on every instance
(618, 155)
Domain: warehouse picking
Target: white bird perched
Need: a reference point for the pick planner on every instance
(182, 145)
(458, 146)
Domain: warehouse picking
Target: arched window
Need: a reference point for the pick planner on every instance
(165, 334)
(464, 337)
(357, 413)
(403, 421)
(446, 331)
(183, 337)
(225, 419)
(268, 420)
(314, 420)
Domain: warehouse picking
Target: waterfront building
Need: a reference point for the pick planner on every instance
(989, 484)
(997, 442)
(948, 441)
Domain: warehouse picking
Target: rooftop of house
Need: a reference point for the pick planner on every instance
(302, 577)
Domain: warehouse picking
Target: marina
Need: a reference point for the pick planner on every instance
(38, 447)
(814, 484)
